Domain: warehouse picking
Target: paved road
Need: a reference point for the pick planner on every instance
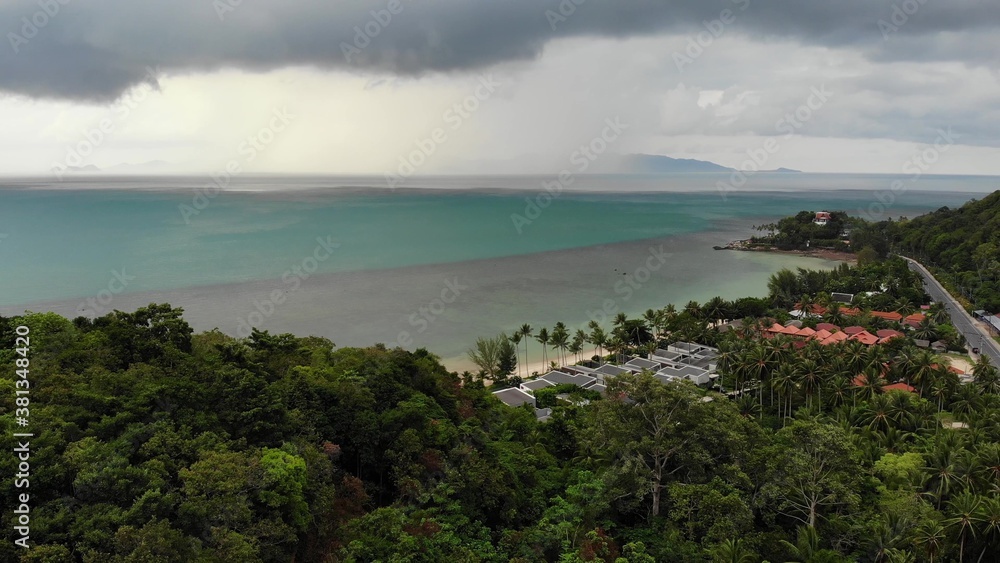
(976, 337)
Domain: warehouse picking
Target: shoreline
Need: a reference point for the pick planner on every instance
(533, 366)
(821, 253)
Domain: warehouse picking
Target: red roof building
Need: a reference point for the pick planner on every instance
(865, 337)
(894, 317)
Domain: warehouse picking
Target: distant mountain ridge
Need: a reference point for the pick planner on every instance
(659, 164)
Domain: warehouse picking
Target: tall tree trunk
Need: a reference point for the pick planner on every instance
(657, 487)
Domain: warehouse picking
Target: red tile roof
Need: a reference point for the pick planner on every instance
(865, 338)
(887, 316)
(834, 338)
(854, 329)
(888, 333)
(899, 387)
(852, 311)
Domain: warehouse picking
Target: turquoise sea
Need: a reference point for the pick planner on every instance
(443, 262)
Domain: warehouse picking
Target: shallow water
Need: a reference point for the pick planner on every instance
(267, 258)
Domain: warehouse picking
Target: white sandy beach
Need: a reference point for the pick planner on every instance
(464, 364)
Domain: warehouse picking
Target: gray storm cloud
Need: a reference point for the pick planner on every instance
(96, 50)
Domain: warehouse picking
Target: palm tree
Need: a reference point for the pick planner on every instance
(932, 536)
(940, 390)
(575, 347)
(543, 339)
(779, 351)
(598, 338)
(806, 303)
(806, 547)
(854, 355)
(748, 406)
(783, 381)
(715, 309)
(620, 320)
(894, 555)
(728, 354)
(886, 537)
(939, 313)
(840, 389)
(922, 371)
(901, 410)
(927, 330)
(516, 339)
(966, 401)
(781, 286)
(651, 318)
(560, 340)
(904, 307)
(732, 551)
(525, 331)
(877, 413)
(617, 344)
(943, 474)
(756, 365)
(834, 315)
(989, 467)
(693, 309)
(669, 313)
(989, 514)
(966, 517)
(809, 379)
(876, 357)
(986, 376)
(580, 338)
(864, 318)
(871, 382)
(893, 439)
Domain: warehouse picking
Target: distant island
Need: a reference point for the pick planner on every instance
(658, 164)
(149, 167)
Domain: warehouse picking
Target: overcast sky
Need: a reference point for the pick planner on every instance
(351, 87)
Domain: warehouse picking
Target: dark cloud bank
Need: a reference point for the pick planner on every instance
(95, 50)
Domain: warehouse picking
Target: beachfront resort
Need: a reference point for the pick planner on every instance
(699, 364)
